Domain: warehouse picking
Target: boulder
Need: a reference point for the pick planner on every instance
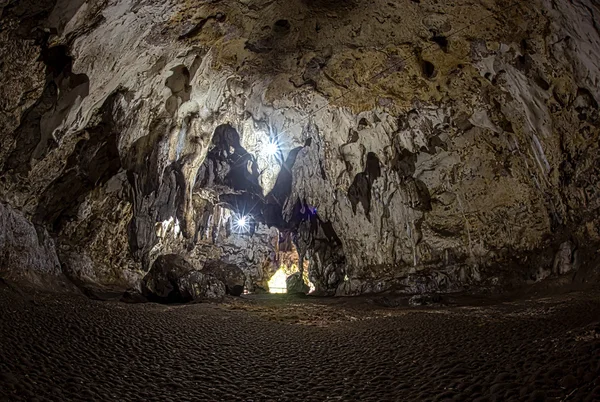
(25, 250)
(295, 284)
(172, 279)
(230, 274)
(160, 284)
(196, 285)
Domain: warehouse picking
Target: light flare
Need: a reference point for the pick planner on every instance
(277, 283)
(241, 223)
(272, 148)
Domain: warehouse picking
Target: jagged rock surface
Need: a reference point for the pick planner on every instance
(231, 275)
(24, 245)
(424, 146)
(173, 279)
(295, 284)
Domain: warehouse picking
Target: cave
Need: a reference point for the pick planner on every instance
(299, 200)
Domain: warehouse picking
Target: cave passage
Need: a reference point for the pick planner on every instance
(299, 200)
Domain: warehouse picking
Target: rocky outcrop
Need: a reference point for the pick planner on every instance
(172, 279)
(27, 252)
(424, 300)
(231, 275)
(410, 146)
(197, 285)
(295, 284)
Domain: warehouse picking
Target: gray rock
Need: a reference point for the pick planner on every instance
(26, 252)
(424, 300)
(564, 259)
(160, 283)
(172, 279)
(295, 284)
(196, 285)
(231, 275)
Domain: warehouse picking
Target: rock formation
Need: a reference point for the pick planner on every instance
(295, 284)
(172, 279)
(412, 145)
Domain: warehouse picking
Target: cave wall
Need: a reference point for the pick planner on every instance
(424, 146)
(25, 245)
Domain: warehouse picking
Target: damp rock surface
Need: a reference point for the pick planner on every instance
(231, 275)
(67, 348)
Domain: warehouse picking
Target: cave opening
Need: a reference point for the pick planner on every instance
(277, 283)
(290, 276)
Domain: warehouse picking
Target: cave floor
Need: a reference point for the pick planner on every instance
(58, 347)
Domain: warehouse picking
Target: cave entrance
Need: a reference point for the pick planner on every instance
(287, 265)
(277, 283)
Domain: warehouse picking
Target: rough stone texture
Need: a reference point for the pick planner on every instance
(161, 282)
(295, 284)
(26, 252)
(424, 300)
(423, 146)
(231, 275)
(173, 279)
(94, 247)
(197, 285)
(217, 243)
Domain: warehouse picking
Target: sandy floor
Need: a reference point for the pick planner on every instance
(280, 349)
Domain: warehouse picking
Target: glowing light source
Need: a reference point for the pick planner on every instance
(241, 223)
(277, 282)
(272, 147)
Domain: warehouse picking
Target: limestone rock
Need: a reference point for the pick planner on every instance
(424, 148)
(231, 275)
(174, 279)
(161, 282)
(564, 260)
(197, 285)
(424, 300)
(295, 284)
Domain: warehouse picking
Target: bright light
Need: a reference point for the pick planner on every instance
(277, 282)
(241, 223)
(271, 148)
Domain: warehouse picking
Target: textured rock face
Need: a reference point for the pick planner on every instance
(173, 279)
(23, 245)
(295, 284)
(231, 275)
(421, 146)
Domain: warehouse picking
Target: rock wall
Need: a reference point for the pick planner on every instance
(22, 245)
(420, 146)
